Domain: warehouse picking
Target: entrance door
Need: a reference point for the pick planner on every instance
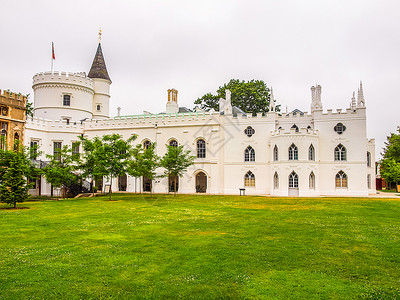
(122, 183)
(146, 184)
(201, 183)
(173, 183)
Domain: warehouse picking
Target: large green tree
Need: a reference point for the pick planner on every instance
(63, 169)
(15, 171)
(390, 165)
(144, 162)
(176, 162)
(252, 96)
(112, 156)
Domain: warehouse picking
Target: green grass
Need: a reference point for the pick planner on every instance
(201, 247)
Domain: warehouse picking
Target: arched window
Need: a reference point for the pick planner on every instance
(368, 159)
(311, 181)
(3, 136)
(276, 181)
(293, 180)
(295, 127)
(173, 143)
(146, 144)
(311, 153)
(293, 152)
(340, 152)
(249, 179)
(16, 141)
(249, 154)
(201, 149)
(341, 180)
(276, 156)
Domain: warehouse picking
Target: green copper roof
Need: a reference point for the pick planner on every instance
(99, 69)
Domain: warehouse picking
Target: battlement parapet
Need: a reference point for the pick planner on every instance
(341, 113)
(44, 124)
(292, 132)
(16, 99)
(79, 78)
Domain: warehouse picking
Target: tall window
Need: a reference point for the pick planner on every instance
(66, 100)
(276, 157)
(368, 159)
(3, 136)
(293, 180)
(146, 144)
(340, 152)
(276, 181)
(16, 141)
(293, 152)
(369, 181)
(201, 149)
(75, 149)
(57, 150)
(173, 143)
(311, 181)
(33, 149)
(249, 154)
(341, 180)
(311, 153)
(249, 179)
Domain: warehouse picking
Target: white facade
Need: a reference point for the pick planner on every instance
(275, 154)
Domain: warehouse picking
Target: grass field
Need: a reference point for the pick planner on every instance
(201, 247)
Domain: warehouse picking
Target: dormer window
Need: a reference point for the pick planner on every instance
(67, 100)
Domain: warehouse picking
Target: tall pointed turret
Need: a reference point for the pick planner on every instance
(98, 73)
(316, 103)
(99, 69)
(360, 96)
(353, 102)
(271, 101)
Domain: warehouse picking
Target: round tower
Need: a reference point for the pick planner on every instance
(63, 95)
(98, 73)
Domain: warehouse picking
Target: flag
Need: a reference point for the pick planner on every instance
(52, 51)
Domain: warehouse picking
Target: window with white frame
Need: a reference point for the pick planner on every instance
(341, 179)
(293, 180)
(276, 181)
(311, 181)
(276, 154)
(33, 149)
(311, 153)
(201, 148)
(293, 152)
(249, 154)
(66, 100)
(249, 179)
(57, 150)
(369, 181)
(340, 153)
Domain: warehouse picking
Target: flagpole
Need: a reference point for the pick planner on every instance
(52, 57)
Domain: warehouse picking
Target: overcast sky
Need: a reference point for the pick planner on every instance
(196, 46)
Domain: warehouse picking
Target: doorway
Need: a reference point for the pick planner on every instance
(201, 182)
(146, 184)
(122, 180)
(173, 183)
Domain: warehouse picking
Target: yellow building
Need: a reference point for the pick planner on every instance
(12, 118)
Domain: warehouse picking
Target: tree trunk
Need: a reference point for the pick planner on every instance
(175, 187)
(110, 188)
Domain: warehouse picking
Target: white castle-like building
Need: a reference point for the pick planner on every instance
(279, 154)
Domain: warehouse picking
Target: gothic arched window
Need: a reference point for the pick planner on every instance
(311, 181)
(249, 179)
(249, 154)
(201, 148)
(146, 144)
(293, 152)
(173, 143)
(311, 153)
(293, 180)
(276, 154)
(368, 159)
(341, 180)
(276, 181)
(295, 127)
(340, 152)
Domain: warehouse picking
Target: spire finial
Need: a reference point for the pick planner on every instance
(353, 101)
(99, 35)
(272, 101)
(360, 96)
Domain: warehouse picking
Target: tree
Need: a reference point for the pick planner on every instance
(113, 156)
(90, 166)
(15, 171)
(390, 165)
(176, 162)
(144, 162)
(252, 96)
(62, 170)
(29, 107)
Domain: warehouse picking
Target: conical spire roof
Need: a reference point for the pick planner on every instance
(99, 69)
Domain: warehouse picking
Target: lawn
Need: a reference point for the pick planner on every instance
(201, 247)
